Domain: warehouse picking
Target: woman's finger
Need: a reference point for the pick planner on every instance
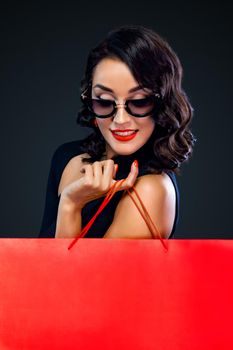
(115, 170)
(131, 178)
(88, 177)
(129, 181)
(108, 173)
(98, 173)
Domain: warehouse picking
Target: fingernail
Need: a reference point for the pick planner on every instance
(135, 163)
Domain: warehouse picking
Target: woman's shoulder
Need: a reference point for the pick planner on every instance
(158, 197)
(67, 161)
(161, 183)
(63, 155)
(164, 188)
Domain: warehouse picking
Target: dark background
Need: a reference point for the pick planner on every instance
(43, 54)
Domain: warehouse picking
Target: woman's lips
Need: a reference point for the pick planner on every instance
(124, 135)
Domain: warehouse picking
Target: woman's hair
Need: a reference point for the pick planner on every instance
(154, 65)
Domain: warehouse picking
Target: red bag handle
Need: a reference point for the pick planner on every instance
(144, 213)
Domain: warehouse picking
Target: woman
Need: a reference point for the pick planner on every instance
(133, 100)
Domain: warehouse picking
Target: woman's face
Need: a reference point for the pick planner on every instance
(115, 75)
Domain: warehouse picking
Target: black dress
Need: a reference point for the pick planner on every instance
(61, 157)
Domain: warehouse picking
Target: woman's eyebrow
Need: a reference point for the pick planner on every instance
(136, 88)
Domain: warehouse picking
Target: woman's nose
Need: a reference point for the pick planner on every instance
(121, 115)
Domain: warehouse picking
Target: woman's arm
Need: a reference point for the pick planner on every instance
(158, 195)
(96, 180)
(61, 157)
(69, 221)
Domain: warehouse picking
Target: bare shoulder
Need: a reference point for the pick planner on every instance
(159, 182)
(72, 171)
(158, 196)
(157, 190)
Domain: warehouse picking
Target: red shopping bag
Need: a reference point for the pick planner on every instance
(116, 294)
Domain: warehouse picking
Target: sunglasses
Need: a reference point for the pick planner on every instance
(103, 108)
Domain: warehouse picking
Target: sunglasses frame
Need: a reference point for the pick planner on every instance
(85, 99)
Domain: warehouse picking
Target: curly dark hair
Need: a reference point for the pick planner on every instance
(154, 65)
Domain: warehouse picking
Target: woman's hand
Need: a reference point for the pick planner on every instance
(96, 182)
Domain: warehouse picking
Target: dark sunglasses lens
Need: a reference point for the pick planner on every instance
(105, 108)
(142, 106)
(102, 107)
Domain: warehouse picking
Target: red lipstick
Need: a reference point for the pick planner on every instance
(124, 137)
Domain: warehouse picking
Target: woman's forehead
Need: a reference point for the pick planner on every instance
(104, 88)
(114, 76)
(110, 71)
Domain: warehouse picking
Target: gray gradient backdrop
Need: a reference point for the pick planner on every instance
(43, 54)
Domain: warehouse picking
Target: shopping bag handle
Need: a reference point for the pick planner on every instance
(144, 213)
(146, 216)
